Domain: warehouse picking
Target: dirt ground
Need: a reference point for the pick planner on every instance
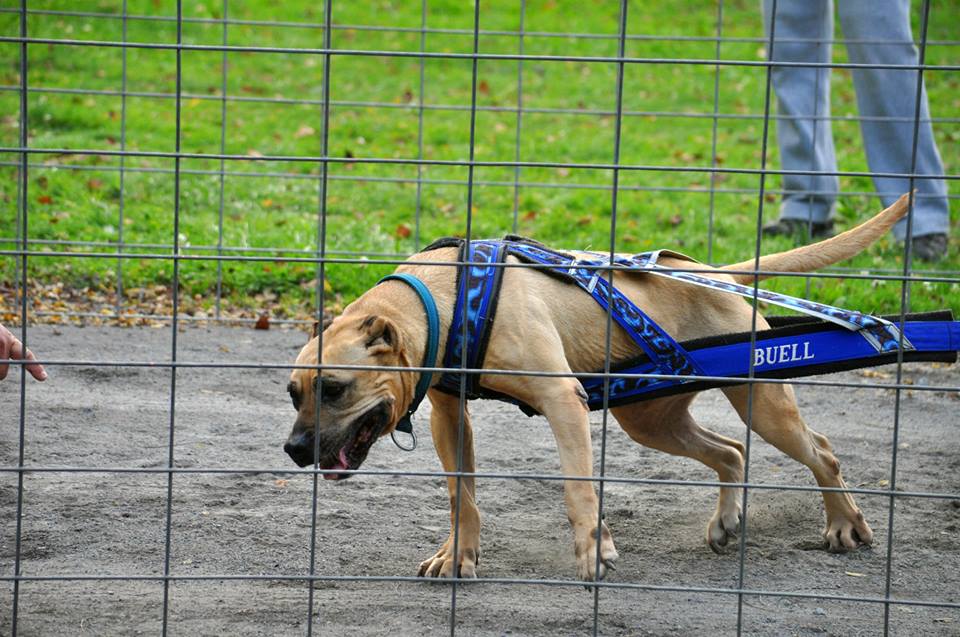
(113, 524)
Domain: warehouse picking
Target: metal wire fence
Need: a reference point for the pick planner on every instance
(174, 163)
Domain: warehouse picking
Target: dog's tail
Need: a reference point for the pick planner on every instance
(827, 252)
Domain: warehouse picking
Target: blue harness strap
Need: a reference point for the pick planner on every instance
(663, 350)
(478, 288)
(883, 335)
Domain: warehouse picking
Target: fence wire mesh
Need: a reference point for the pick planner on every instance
(437, 122)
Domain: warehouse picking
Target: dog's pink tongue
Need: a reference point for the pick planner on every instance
(342, 464)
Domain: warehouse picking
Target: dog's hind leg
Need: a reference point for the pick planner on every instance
(666, 424)
(777, 420)
(444, 426)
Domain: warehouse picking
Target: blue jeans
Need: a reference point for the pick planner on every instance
(886, 100)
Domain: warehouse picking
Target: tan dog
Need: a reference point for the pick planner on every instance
(539, 328)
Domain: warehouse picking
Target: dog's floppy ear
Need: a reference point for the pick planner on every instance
(316, 325)
(382, 334)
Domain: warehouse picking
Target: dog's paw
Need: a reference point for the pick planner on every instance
(723, 527)
(442, 562)
(586, 553)
(847, 533)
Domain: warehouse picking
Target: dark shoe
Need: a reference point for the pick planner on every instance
(799, 228)
(930, 247)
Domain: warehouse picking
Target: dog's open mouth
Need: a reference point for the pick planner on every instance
(365, 432)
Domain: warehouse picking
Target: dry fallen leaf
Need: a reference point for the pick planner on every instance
(304, 131)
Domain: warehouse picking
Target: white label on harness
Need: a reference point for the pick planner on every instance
(593, 282)
(777, 354)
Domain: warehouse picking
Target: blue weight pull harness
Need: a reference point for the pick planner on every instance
(828, 339)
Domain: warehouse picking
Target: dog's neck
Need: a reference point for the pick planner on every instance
(399, 304)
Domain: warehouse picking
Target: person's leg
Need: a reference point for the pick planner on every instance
(886, 98)
(803, 31)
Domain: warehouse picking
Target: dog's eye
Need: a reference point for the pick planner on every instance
(294, 396)
(330, 390)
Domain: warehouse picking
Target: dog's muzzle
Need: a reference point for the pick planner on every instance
(345, 450)
(300, 448)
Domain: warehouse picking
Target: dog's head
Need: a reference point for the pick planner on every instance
(355, 406)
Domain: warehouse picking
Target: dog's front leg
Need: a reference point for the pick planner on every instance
(566, 410)
(444, 425)
(563, 402)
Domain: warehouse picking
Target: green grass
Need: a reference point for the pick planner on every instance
(261, 211)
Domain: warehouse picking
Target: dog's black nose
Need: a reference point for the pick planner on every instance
(300, 448)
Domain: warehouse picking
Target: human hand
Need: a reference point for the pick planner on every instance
(12, 349)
